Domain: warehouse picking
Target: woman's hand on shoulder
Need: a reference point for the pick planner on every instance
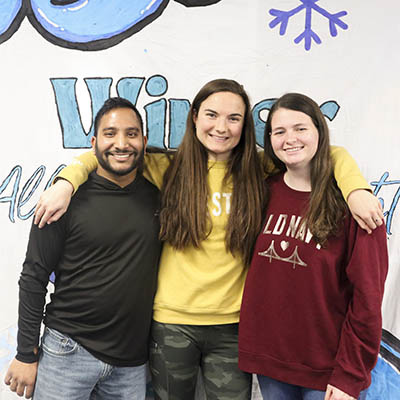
(333, 393)
(53, 203)
(366, 209)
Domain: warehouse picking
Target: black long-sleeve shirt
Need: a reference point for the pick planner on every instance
(104, 252)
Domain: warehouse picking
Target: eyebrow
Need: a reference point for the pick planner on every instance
(295, 126)
(113, 128)
(231, 115)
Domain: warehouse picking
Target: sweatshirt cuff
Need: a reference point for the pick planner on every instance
(353, 183)
(347, 383)
(68, 178)
(28, 358)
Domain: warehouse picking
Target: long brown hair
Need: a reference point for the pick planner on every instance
(327, 207)
(185, 220)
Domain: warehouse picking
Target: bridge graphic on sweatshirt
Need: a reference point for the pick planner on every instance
(294, 258)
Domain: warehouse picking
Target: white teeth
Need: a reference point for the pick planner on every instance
(293, 149)
(219, 138)
(122, 156)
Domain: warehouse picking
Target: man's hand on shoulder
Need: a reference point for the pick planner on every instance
(21, 378)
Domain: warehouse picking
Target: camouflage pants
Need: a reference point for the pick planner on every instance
(178, 351)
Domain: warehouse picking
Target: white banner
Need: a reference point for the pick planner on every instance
(58, 63)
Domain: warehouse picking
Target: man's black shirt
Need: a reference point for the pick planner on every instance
(104, 252)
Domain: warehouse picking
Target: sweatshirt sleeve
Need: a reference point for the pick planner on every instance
(362, 328)
(45, 248)
(347, 174)
(78, 171)
(155, 165)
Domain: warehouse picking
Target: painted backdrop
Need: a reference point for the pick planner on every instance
(60, 59)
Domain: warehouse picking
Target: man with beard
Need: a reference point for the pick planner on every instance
(104, 252)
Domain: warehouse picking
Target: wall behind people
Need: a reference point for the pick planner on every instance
(59, 64)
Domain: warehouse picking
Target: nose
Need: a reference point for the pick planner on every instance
(220, 125)
(121, 141)
(291, 135)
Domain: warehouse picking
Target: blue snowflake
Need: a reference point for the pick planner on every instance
(282, 17)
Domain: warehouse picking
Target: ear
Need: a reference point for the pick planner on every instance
(93, 143)
(144, 143)
(194, 116)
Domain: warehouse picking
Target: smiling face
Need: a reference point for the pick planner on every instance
(219, 124)
(119, 145)
(294, 138)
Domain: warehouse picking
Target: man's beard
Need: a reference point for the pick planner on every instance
(137, 162)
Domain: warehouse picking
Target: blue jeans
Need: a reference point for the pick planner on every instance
(272, 389)
(67, 371)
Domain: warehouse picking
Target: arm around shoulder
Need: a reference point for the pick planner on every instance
(54, 201)
(347, 174)
(155, 165)
(78, 171)
(364, 206)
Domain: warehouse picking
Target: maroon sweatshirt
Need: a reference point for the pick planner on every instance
(311, 316)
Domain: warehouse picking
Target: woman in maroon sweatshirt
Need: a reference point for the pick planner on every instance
(310, 323)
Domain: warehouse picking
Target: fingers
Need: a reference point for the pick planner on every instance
(369, 223)
(21, 378)
(53, 203)
(328, 394)
(56, 216)
(45, 218)
(362, 224)
(380, 215)
(20, 389)
(333, 393)
(7, 378)
(372, 223)
(29, 391)
(46, 215)
(377, 220)
(377, 215)
(341, 397)
(13, 385)
(19, 386)
(39, 211)
(366, 207)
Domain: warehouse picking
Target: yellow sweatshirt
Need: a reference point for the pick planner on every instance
(204, 286)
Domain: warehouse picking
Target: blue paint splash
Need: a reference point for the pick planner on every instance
(86, 25)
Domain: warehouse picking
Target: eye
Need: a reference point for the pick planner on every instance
(133, 134)
(235, 119)
(277, 133)
(210, 114)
